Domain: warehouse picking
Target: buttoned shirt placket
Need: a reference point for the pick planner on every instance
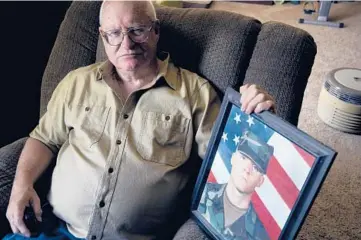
(109, 179)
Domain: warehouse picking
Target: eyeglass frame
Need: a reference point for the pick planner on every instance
(105, 34)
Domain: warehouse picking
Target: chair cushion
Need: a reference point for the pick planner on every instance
(190, 230)
(281, 63)
(9, 156)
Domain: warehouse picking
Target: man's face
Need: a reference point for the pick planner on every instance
(244, 175)
(129, 55)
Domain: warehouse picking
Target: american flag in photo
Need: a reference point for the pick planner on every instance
(285, 176)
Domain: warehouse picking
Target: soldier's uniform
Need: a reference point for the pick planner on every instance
(212, 203)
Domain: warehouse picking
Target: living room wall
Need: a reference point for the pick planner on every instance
(28, 32)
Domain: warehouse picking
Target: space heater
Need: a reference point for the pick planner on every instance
(339, 104)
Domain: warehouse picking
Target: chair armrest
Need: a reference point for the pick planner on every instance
(190, 231)
(281, 63)
(9, 156)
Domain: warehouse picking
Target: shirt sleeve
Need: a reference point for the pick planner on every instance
(52, 129)
(206, 106)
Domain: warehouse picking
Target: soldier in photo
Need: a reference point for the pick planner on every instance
(228, 207)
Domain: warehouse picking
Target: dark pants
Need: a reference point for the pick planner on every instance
(59, 233)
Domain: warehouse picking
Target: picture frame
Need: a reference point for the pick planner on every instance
(260, 175)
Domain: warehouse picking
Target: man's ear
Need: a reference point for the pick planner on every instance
(261, 180)
(157, 27)
(101, 34)
(233, 158)
(100, 31)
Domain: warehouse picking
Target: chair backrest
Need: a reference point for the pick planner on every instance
(226, 48)
(216, 45)
(74, 47)
(281, 63)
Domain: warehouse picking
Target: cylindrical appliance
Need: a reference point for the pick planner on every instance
(339, 103)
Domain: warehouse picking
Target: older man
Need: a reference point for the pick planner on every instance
(124, 132)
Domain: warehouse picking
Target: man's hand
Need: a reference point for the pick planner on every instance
(20, 198)
(255, 99)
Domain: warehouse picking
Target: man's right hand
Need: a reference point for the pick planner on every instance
(20, 198)
(34, 159)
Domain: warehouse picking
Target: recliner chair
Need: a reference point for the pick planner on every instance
(226, 48)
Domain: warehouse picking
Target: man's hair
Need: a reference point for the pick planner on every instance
(148, 4)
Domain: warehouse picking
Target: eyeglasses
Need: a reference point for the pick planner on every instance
(136, 34)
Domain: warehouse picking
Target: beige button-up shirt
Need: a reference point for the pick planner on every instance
(121, 165)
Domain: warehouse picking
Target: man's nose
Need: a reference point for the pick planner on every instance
(127, 42)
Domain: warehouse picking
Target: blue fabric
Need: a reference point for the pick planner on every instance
(60, 233)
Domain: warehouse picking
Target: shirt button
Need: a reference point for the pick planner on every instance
(110, 170)
(101, 204)
(167, 118)
(87, 109)
(118, 142)
(94, 237)
(125, 116)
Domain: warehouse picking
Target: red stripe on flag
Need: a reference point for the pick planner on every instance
(211, 178)
(266, 218)
(282, 182)
(309, 159)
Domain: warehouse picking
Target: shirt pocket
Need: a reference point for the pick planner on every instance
(92, 123)
(163, 137)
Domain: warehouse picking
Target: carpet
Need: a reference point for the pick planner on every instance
(336, 212)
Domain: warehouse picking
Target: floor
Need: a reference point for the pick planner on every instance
(336, 213)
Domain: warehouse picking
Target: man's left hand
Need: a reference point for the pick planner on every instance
(255, 99)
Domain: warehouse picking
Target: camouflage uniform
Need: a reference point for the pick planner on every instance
(247, 226)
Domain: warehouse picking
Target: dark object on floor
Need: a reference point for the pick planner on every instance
(309, 9)
(226, 48)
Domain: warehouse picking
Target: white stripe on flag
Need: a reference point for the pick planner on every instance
(219, 170)
(290, 159)
(273, 202)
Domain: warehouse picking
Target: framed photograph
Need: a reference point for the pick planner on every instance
(260, 176)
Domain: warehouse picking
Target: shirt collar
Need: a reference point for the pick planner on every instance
(105, 69)
(166, 72)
